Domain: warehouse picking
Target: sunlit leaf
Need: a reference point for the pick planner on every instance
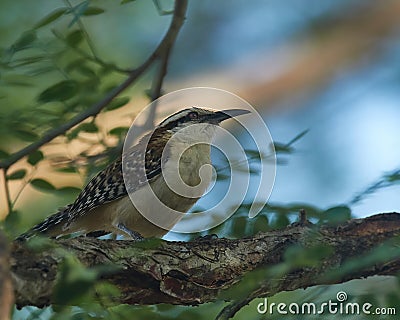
(42, 185)
(52, 16)
(16, 175)
(61, 91)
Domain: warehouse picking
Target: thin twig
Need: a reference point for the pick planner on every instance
(22, 188)
(7, 191)
(156, 88)
(83, 29)
(386, 180)
(231, 309)
(165, 44)
(94, 59)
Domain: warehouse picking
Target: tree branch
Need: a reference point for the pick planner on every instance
(191, 273)
(164, 46)
(6, 289)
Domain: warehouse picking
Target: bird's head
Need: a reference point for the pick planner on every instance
(194, 125)
(194, 115)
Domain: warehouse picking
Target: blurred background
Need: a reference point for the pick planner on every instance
(331, 67)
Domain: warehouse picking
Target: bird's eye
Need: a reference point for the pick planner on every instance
(193, 115)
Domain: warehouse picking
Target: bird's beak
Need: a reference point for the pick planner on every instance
(222, 115)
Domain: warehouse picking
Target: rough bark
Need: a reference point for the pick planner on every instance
(196, 272)
(6, 289)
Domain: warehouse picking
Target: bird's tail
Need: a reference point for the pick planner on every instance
(51, 226)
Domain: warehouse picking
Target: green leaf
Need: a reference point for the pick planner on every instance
(119, 131)
(16, 175)
(222, 177)
(88, 127)
(282, 148)
(25, 41)
(85, 127)
(117, 103)
(298, 137)
(42, 185)
(75, 64)
(35, 157)
(67, 170)
(253, 154)
(26, 135)
(126, 1)
(78, 11)
(298, 256)
(11, 222)
(261, 224)
(150, 243)
(74, 282)
(393, 177)
(239, 226)
(281, 221)
(61, 91)
(92, 11)
(74, 38)
(66, 191)
(3, 154)
(52, 16)
(17, 80)
(86, 71)
(26, 61)
(337, 215)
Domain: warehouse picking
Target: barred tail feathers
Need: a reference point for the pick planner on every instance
(52, 226)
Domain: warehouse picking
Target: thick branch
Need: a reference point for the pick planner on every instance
(196, 272)
(164, 46)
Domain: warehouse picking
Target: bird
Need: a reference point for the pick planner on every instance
(179, 146)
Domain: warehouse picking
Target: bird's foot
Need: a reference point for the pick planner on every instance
(136, 236)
